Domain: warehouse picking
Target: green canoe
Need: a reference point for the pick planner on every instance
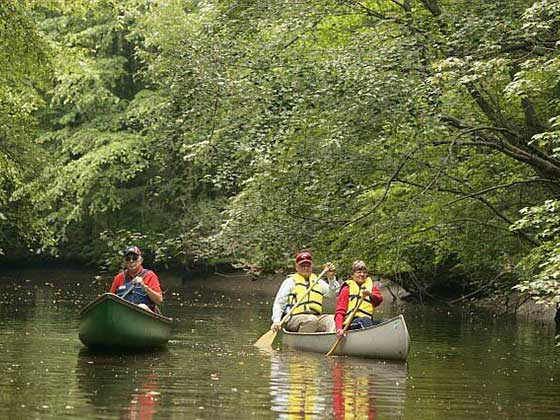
(112, 323)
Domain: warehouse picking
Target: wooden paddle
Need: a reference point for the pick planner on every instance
(339, 339)
(268, 337)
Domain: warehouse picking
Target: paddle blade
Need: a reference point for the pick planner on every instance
(266, 340)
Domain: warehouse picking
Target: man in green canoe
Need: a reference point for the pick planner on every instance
(308, 314)
(137, 284)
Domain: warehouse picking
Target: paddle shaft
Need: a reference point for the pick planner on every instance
(127, 292)
(339, 339)
(129, 289)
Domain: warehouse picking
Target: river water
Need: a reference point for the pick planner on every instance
(462, 364)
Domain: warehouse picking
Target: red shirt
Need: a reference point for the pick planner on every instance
(342, 303)
(150, 279)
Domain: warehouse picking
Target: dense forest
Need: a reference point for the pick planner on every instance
(422, 136)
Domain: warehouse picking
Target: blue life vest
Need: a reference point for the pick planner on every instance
(137, 294)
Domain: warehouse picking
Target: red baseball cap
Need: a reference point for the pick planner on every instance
(132, 250)
(303, 256)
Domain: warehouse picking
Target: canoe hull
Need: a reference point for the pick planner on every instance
(111, 323)
(388, 341)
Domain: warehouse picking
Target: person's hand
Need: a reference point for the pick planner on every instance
(331, 270)
(139, 281)
(276, 326)
(366, 293)
(340, 333)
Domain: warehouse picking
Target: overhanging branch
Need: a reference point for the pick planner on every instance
(497, 187)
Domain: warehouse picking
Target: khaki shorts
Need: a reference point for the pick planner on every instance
(311, 323)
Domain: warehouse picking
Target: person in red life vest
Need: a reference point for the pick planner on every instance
(349, 296)
(137, 284)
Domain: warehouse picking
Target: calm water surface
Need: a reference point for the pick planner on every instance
(462, 364)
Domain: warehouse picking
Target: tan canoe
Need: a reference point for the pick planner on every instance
(388, 340)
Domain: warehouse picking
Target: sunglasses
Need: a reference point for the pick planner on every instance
(360, 270)
(131, 258)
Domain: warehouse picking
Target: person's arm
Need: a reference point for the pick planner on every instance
(341, 307)
(334, 285)
(117, 281)
(329, 288)
(375, 296)
(330, 281)
(281, 300)
(152, 288)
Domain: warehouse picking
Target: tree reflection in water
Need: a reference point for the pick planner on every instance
(307, 385)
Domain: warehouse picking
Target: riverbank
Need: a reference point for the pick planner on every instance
(520, 306)
(239, 282)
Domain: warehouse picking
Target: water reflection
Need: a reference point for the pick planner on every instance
(144, 399)
(129, 382)
(462, 365)
(306, 385)
(353, 394)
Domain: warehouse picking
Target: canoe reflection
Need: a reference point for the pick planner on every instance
(127, 383)
(305, 385)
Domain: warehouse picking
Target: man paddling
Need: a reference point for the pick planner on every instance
(137, 284)
(308, 315)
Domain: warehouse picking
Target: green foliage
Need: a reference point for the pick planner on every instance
(362, 109)
(407, 134)
(24, 70)
(115, 243)
(541, 267)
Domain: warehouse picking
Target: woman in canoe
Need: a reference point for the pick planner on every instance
(360, 285)
(137, 284)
